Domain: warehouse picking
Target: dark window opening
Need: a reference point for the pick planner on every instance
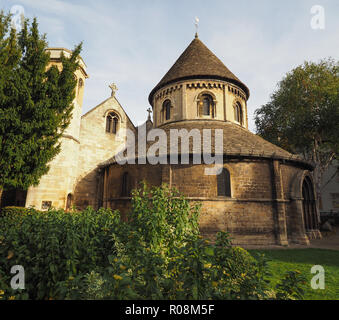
(206, 105)
(224, 183)
(238, 113)
(112, 122)
(69, 202)
(81, 83)
(46, 205)
(167, 109)
(125, 188)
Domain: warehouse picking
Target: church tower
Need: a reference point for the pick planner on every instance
(56, 188)
(199, 87)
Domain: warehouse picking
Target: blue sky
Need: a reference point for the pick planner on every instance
(134, 43)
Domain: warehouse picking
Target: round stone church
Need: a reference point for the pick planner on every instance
(263, 195)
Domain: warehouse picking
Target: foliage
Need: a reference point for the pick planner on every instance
(35, 103)
(53, 246)
(14, 211)
(287, 288)
(302, 115)
(157, 254)
(284, 261)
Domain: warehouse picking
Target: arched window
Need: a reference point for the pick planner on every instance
(69, 201)
(81, 83)
(224, 183)
(125, 185)
(206, 105)
(166, 109)
(238, 113)
(112, 123)
(309, 205)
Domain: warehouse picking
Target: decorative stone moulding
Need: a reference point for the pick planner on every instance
(207, 85)
(236, 91)
(168, 91)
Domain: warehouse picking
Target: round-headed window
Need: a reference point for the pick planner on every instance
(166, 107)
(206, 105)
(112, 123)
(238, 117)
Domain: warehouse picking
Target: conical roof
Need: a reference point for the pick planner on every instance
(198, 62)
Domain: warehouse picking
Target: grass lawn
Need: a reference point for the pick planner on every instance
(302, 260)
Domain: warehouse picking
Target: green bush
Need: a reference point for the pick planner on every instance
(53, 246)
(13, 211)
(157, 254)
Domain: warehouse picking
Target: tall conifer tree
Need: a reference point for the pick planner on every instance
(35, 103)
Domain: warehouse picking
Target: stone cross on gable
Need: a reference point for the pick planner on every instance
(149, 110)
(114, 88)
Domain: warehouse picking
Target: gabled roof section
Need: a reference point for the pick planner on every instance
(197, 62)
(105, 101)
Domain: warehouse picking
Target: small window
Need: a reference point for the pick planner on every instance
(125, 186)
(238, 113)
(206, 105)
(112, 122)
(46, 205)
(81, 83)
(224, 183)
(166, 107)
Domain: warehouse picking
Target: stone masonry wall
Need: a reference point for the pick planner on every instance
(252, 215)
(97, 146)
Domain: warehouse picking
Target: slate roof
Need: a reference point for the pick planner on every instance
(198, 62)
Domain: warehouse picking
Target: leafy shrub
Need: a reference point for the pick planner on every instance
(157, 254)
(13, 211)
(54, 245)
(291, 286)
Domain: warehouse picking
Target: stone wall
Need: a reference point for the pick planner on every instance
(97, 146)
(258, 212)
(184, 98)
(59, 182)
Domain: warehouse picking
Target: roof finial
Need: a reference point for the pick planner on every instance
(114, 88)
(196, 26)
(149, 110)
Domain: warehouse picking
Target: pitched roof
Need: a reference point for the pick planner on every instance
(197, 61)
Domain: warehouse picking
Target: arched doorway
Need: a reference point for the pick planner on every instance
(69, 202)
(309, 206)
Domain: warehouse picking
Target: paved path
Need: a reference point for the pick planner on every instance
(329, 241)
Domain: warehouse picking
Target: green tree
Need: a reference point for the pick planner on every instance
(35, 103)
(302, 115)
